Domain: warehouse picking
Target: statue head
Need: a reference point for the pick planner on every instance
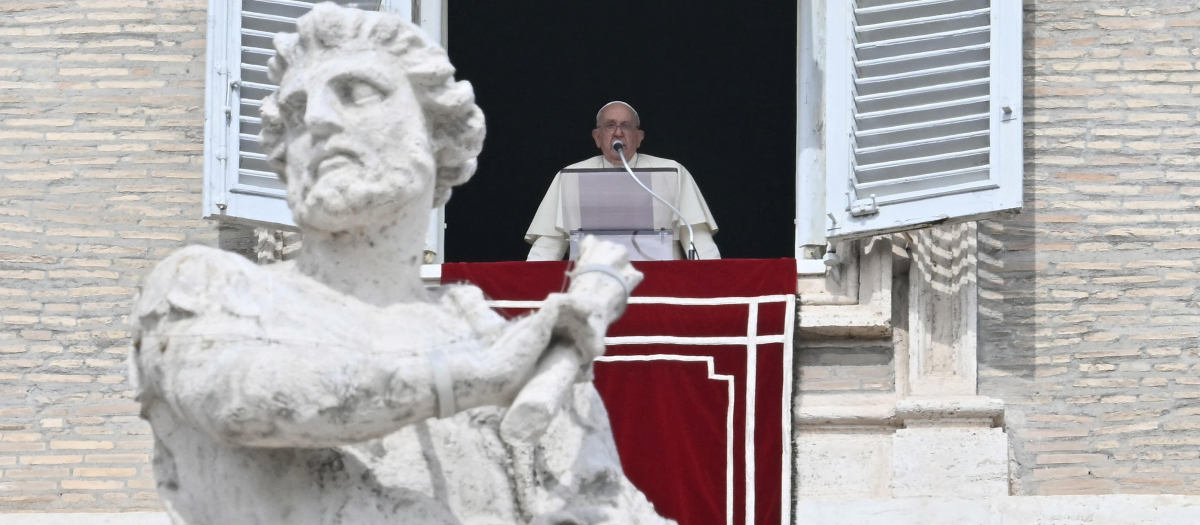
(368, 123)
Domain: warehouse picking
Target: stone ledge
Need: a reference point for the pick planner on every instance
(850, 415)
(85, 518)
(1008, 510)
(948, 409)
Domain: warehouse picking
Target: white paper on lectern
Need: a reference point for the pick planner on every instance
(601, 199)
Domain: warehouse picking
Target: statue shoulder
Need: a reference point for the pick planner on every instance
(197, 279)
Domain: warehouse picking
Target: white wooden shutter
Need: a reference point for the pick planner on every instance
(923, 113)
(238, 183)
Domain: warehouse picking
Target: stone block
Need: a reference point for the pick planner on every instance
(967, 463)
(843, 466)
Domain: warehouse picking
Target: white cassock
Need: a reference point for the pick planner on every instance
(548, 235)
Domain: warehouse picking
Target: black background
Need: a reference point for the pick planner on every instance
(714, 84)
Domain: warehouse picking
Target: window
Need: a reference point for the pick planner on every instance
(909, 112)
(238, 183)
(922, 113)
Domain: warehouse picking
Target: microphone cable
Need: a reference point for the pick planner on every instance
(692, 254)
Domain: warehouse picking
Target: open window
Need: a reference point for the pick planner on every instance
(238, 183)
(922, 113)
(909, 113)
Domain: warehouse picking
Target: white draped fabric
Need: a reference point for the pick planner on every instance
(548, 234)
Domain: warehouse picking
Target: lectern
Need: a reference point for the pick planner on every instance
(607, 203)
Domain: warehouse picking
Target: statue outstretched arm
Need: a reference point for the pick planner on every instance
(215, 370)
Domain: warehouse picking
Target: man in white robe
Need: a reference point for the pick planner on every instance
(619, 121)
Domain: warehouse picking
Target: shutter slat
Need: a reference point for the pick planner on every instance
(935, 105)
(937, 53)
(915, 10)
(260, 174)
(267, 87)
(269, 17)
(920, 38)
(923, 20)
(920, 133)
(258, 51)
(909, 127)
(919, 44)
(898, 6)
(921, 73)
(928, 148)
(921, 90)
(965, 182)
(916, 79)
(289, 3)
(261, 190)
(958, 90)
(920, 178)
(261, 34)
(920, 160)
(912, 143)
(260, 183)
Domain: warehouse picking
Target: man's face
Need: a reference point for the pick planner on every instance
(358, 152)
(617, 122)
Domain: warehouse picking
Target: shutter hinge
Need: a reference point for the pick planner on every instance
(862, 208)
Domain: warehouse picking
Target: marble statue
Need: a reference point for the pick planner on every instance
(337, 388)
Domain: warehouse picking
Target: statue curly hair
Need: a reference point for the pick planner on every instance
(456, 123)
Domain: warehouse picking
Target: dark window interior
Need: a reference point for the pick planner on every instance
(714, 83)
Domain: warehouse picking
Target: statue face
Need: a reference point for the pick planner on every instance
(358, 151)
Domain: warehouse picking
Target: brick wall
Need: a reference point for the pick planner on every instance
(101, 123)
(1088, 320)
(834, 366)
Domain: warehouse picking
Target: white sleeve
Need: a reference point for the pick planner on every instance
(706, 249)
(547, 248)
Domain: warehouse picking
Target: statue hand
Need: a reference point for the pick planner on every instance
(596, 299)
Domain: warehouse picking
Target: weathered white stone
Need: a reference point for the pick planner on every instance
(1008, 510)
(302, 392)
(949, 462)
(86, 518)
(844, 465)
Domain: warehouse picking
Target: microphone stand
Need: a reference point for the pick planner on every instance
(692, 254)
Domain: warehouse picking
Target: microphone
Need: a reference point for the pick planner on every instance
(617, 146)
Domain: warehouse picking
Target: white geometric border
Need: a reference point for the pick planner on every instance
(728, 415)
(751, 342)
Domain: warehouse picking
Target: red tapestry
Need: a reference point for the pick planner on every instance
(696, 379)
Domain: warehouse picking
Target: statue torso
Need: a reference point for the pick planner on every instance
(418, 474)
